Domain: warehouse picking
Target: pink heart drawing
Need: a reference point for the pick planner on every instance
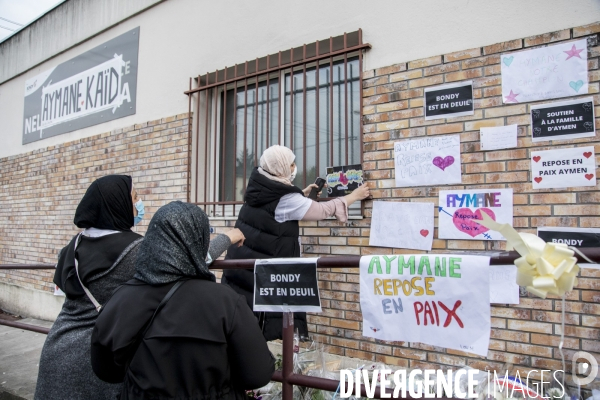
(443, 163)
(589, 176)
(424, 232)
(464, 220)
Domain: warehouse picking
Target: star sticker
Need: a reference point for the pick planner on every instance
(573, 52)
(511, 97)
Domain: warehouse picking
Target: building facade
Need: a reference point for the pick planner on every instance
(340, 83)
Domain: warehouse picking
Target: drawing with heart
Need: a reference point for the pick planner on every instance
(465, 220)
(424, 232)
(443, 163)
(576, 85)
(538, 179)
(537, 158)
(589, 176)
(508, 60)
(587, 154)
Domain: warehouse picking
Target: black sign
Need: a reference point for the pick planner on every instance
(452, 100)
(343, 180)
(564, 120)
(281, 285)
(95, 87)
(575, 238)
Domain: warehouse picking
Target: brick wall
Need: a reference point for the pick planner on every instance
(41, 189)
(525, 335)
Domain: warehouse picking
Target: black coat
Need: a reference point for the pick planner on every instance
(204, 343)
(265, 238)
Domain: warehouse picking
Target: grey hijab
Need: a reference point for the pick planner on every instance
(175, 245)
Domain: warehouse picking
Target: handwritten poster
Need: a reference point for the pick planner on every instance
(459, 211)
(569, 167)
(402, 225)
(343, 180)
(564, 120)
(503, 284)
(428, 161)
(548, 72)
(498, 137)
(451, 100)
(436, 299)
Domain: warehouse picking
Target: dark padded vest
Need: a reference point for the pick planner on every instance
(265, 237)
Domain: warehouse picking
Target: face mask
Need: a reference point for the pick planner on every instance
(139, 206)
(293, 175)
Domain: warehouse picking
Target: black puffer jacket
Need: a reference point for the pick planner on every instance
(265, 238)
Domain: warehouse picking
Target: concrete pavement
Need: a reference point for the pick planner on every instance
(19, 359)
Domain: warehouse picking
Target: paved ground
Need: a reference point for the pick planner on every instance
(19, 359)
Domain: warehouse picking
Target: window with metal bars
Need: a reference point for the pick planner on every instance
(306, 98)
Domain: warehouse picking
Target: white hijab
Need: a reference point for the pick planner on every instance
(275, 163)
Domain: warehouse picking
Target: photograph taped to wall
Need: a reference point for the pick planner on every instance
(561, 168)
(459, 211)
(428, 161)
(402, 225)
(95, 87)
(551, 72)
(563, 120)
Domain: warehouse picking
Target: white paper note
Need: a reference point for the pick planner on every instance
(503, 284)
(498, 137)
(567, 167)
(402, 225)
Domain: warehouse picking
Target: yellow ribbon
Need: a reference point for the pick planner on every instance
(543, 267)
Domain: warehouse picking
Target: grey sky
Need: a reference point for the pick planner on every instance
(22, 12)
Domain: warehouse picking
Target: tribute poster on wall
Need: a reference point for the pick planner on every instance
(574, 237)
(427, 161)
(563, 120)
(446, 101)
(343, 180)
(437, 299)
(402, 225)
(94, 87)
(568, 167)
(459, 211)
(548, 72)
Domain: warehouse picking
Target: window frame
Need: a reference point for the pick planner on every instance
(208, 103)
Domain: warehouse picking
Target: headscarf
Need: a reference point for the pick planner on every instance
(107, 204)
(175, 245)
(275, 164)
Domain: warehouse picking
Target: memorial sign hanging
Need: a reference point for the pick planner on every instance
(437, 299)
(446, 101)
(567, 167)
(343, 180)
(563, 120)
(286, 284)
(94, 87)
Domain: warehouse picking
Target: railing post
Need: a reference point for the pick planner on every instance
(288, 355)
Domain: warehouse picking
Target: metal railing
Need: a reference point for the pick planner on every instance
(286, 376)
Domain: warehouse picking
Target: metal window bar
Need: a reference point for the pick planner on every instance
(290, 64)
(286, 375)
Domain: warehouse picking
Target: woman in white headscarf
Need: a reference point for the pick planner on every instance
(269, 221)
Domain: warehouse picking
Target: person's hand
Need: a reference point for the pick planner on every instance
(360, 193)
(307, 189)
(236, 236)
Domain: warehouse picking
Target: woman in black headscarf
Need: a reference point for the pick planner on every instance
(89, 269)
(203, 342)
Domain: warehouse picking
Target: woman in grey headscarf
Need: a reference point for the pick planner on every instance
(204, 341)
